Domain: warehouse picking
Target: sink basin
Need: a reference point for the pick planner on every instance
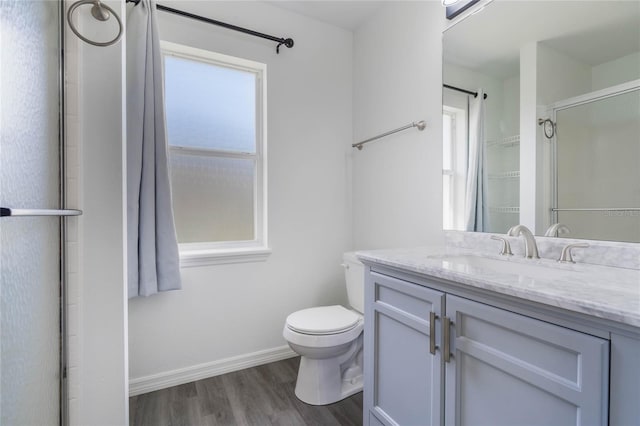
(473, 264)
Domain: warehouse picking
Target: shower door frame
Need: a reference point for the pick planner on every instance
(61, 213)
(64, 389)
(553, 110)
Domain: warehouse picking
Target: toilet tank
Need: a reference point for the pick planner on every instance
(354, 277)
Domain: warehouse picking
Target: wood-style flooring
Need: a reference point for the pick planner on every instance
(258, 396)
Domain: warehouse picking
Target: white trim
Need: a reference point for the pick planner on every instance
(206, 257)
(182, 51)
(209, 369)
(205, 152)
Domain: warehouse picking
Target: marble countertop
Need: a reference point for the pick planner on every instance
(600, 291)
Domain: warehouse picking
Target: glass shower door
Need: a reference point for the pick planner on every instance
(30, 240)
(597, 178)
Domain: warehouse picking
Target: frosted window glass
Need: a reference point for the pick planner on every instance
(210, 106)
(213, 198)
(29, 247)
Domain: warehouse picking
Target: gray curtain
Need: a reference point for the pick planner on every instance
(476, 209)
(153, 259)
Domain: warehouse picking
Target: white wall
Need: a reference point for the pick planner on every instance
(615, 72)
(97, 294)
(397, 181)
(235, 310)
(559, 76)
(530, 150)
(510, 120)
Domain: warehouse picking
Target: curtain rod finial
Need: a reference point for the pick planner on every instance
(287, 42)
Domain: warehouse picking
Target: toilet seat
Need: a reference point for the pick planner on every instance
(319, 336)
(323, 320)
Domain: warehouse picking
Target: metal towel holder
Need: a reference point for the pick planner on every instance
(101, 12)
(420, 125)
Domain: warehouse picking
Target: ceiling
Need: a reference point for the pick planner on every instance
(591, 32)
(344, 14)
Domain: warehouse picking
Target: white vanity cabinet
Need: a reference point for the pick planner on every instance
(490, 366)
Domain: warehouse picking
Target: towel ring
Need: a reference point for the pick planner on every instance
(101, 12)
(548, 127)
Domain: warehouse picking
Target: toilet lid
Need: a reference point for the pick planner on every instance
(323, 320)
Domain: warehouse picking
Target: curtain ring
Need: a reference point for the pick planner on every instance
(104, 17)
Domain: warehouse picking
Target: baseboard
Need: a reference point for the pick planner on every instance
(209, 369)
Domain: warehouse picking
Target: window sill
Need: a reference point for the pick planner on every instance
(194, 258)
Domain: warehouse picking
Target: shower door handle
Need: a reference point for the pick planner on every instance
(9, 212)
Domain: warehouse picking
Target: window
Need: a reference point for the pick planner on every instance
(216, 128)
(448, 133)
(454, 167)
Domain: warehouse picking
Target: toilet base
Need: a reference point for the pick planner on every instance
(351, 387)
(325, 381)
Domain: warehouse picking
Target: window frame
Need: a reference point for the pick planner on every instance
(448, 173)
(457, 174)
(222, 252)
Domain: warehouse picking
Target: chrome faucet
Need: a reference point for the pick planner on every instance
(556, 229)
(530, 246)
(566, 256)
(506, 247)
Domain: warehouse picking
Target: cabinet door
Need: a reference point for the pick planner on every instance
(624, 409)
(508, 369)
(403, 379)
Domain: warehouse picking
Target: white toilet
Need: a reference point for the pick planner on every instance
(329, 340)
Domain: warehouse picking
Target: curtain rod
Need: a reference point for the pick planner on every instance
(280, 40)
(468, 92)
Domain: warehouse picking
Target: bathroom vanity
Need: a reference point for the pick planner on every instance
(453, 338)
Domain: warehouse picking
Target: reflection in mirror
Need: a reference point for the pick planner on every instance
(598, 183)
(578, 75)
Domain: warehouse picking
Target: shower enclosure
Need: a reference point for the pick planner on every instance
(596, 153)
(32, 346)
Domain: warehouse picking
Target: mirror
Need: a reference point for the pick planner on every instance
(557, 138)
